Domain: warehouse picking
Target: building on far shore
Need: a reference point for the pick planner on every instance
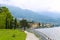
(48, 25)
(40, 25)
(34, 25)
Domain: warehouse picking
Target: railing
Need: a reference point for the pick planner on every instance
(40, 35)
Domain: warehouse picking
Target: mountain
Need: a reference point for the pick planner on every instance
(54, 15)
(28, 14)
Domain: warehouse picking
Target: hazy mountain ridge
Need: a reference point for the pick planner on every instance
(54, 15)
(28, 14)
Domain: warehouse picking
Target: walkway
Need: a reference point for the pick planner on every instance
(31, 36)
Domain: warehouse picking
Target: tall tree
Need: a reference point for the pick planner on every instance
(11, 24)
(15, 23)
(6, 23)
(5, 17)
(23, 23)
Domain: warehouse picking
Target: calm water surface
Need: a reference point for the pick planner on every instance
(53, 33)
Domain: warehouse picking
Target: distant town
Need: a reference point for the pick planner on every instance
(33, 24)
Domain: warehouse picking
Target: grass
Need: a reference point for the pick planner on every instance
(7, 34)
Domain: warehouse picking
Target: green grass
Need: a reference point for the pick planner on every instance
(7, 34)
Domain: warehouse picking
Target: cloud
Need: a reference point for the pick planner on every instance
(35, 5)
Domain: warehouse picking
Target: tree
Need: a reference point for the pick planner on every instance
(15, 23)
(5, 17)
(11, 24)
(6, 23)
(23, 23)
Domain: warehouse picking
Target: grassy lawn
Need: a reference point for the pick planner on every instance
(7, 34)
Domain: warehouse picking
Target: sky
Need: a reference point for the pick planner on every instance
(35, 5)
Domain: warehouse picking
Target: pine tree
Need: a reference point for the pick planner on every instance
(15, 23)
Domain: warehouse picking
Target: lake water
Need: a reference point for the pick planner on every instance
(53, 33)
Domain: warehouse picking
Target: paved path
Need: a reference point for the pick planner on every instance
(31, 36)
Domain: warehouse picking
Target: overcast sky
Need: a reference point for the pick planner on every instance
(35, 5)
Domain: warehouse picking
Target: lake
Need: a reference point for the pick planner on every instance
(53, 33)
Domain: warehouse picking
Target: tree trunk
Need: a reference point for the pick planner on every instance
(24, 28)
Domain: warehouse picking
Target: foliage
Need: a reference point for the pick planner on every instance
(23, 23)
(5, 17)
(15, 23)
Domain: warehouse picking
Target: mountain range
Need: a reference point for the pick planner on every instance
(44, 17)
